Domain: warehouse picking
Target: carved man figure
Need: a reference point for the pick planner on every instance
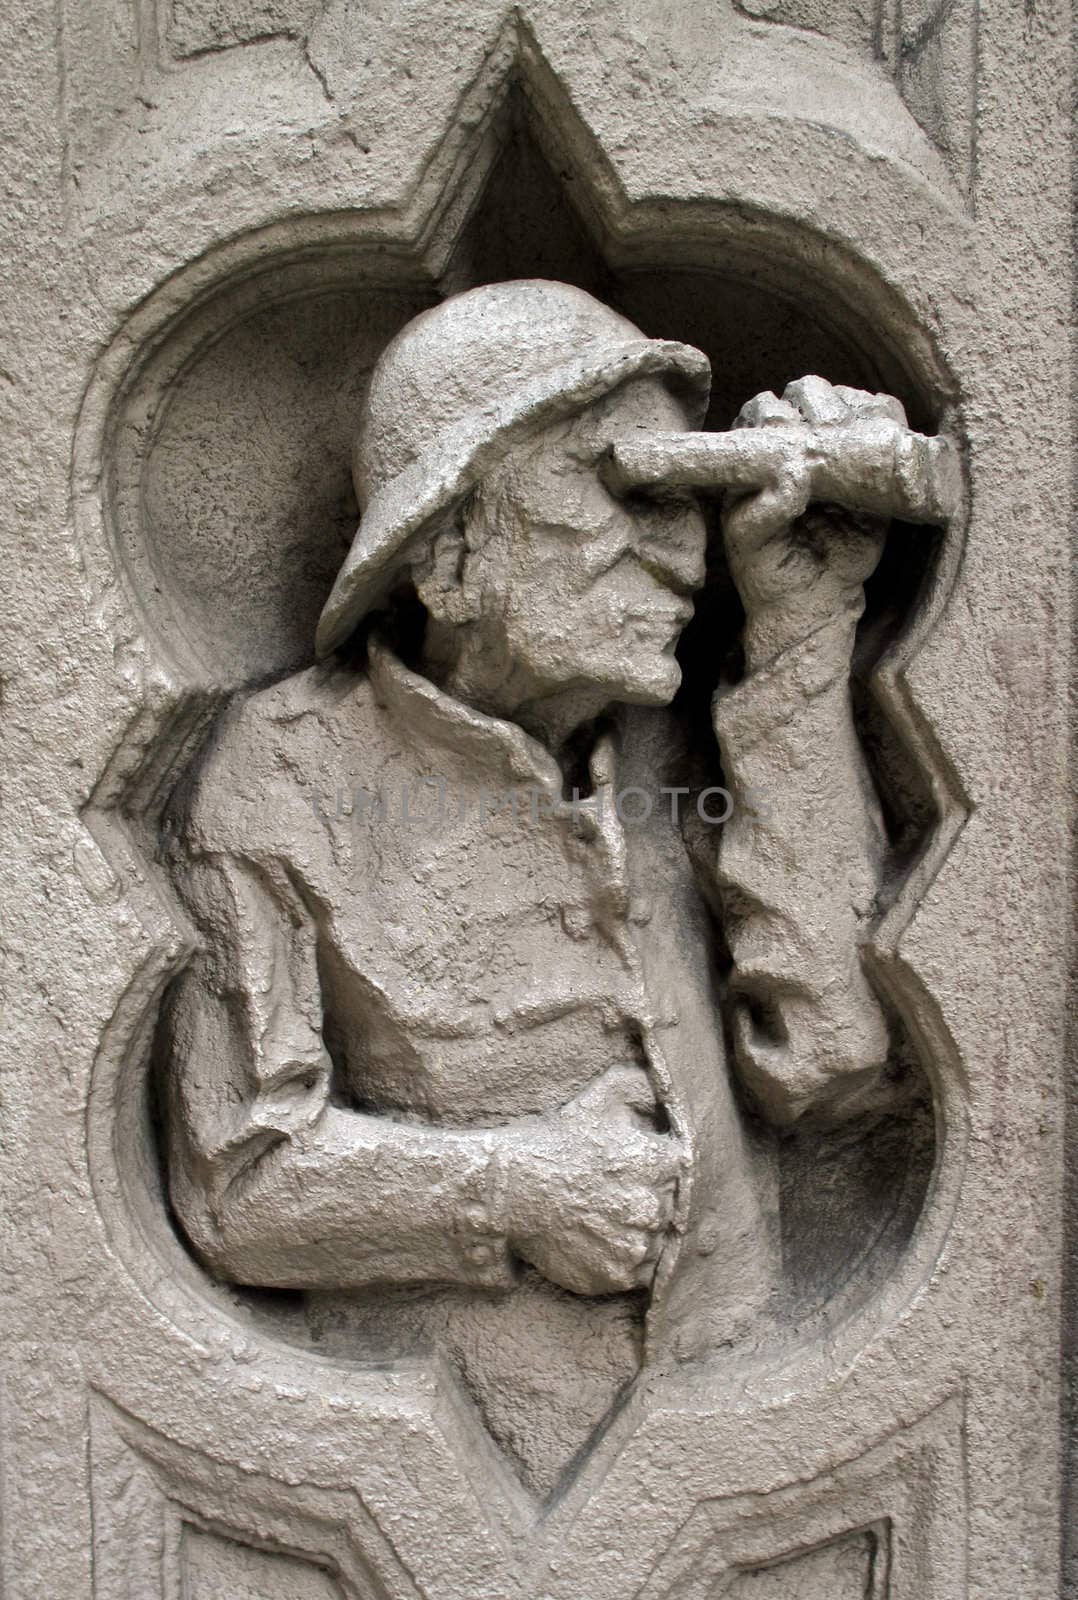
(452, 1024)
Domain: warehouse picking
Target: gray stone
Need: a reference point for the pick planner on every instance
(535, 883)
(434, 1035)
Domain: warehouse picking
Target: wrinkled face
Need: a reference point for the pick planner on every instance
(595, 589)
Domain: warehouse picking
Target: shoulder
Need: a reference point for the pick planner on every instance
(270, 754)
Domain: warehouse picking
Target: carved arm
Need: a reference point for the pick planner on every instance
(799, 860)
(275, 1186)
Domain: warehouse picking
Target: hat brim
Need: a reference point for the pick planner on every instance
(452, 467)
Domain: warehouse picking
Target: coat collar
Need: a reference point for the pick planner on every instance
(502, 753)
(434, 718)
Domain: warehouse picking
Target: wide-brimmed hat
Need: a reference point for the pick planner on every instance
(456, 389)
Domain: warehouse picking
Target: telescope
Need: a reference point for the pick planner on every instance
(868, 464)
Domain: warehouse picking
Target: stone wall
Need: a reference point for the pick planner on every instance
(220, 212)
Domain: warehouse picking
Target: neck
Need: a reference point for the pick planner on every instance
(483, 679)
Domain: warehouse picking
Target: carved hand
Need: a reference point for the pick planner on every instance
(795, 567)
(847, 452)
(592, 1187)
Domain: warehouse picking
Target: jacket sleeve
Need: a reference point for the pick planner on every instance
(274, 1185)
(798, 870)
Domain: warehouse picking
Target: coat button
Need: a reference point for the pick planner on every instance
(576, 921)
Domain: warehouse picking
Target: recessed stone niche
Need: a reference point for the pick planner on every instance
(232, 506)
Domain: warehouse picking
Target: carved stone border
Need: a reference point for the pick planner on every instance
(189, 1337)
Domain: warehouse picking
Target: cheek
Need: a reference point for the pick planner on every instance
(559, 570)
(567, 566)
(566, 628)
(568, 505)
(566, 599)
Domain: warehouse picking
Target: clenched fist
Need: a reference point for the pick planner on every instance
(846, 454)
(592, 1187)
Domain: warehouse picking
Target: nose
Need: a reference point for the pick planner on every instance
(674, 547)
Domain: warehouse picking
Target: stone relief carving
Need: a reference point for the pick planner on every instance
(506, 975)
(172, 1519)
(213, 1566)
(845, 1569)
(907, 1539)
(252, 197)
(900, 71)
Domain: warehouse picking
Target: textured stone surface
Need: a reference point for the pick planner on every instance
(220, 215)
(435, 1048)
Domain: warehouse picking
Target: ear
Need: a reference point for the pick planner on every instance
(440, 576)
(463, 573)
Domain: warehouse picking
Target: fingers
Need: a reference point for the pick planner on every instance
(595, 1264)
(660, 1161)
(814, 400)
(846, 447)
(874, 405)
(607, 1245)
(636, 1217)
(616, 1265)
(616, 1113)
(607, 1202)
(757, 517)
(765, 408)
(620, 1087)
(818, 401)
(646, 1209)
(645, 1272)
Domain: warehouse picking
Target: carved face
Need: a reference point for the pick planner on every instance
(581, 588)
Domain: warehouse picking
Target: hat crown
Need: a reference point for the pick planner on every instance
(469, 354)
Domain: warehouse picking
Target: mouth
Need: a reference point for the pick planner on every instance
(674, 615)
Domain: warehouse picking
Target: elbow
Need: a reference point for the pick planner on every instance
(231, 1251)
(817, 1058)
(232, 1241)
(207, 1232)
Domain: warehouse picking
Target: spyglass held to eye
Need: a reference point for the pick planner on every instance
(870, 464)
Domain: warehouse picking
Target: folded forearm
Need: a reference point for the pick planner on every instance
(799, 866)
(360, 1199)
